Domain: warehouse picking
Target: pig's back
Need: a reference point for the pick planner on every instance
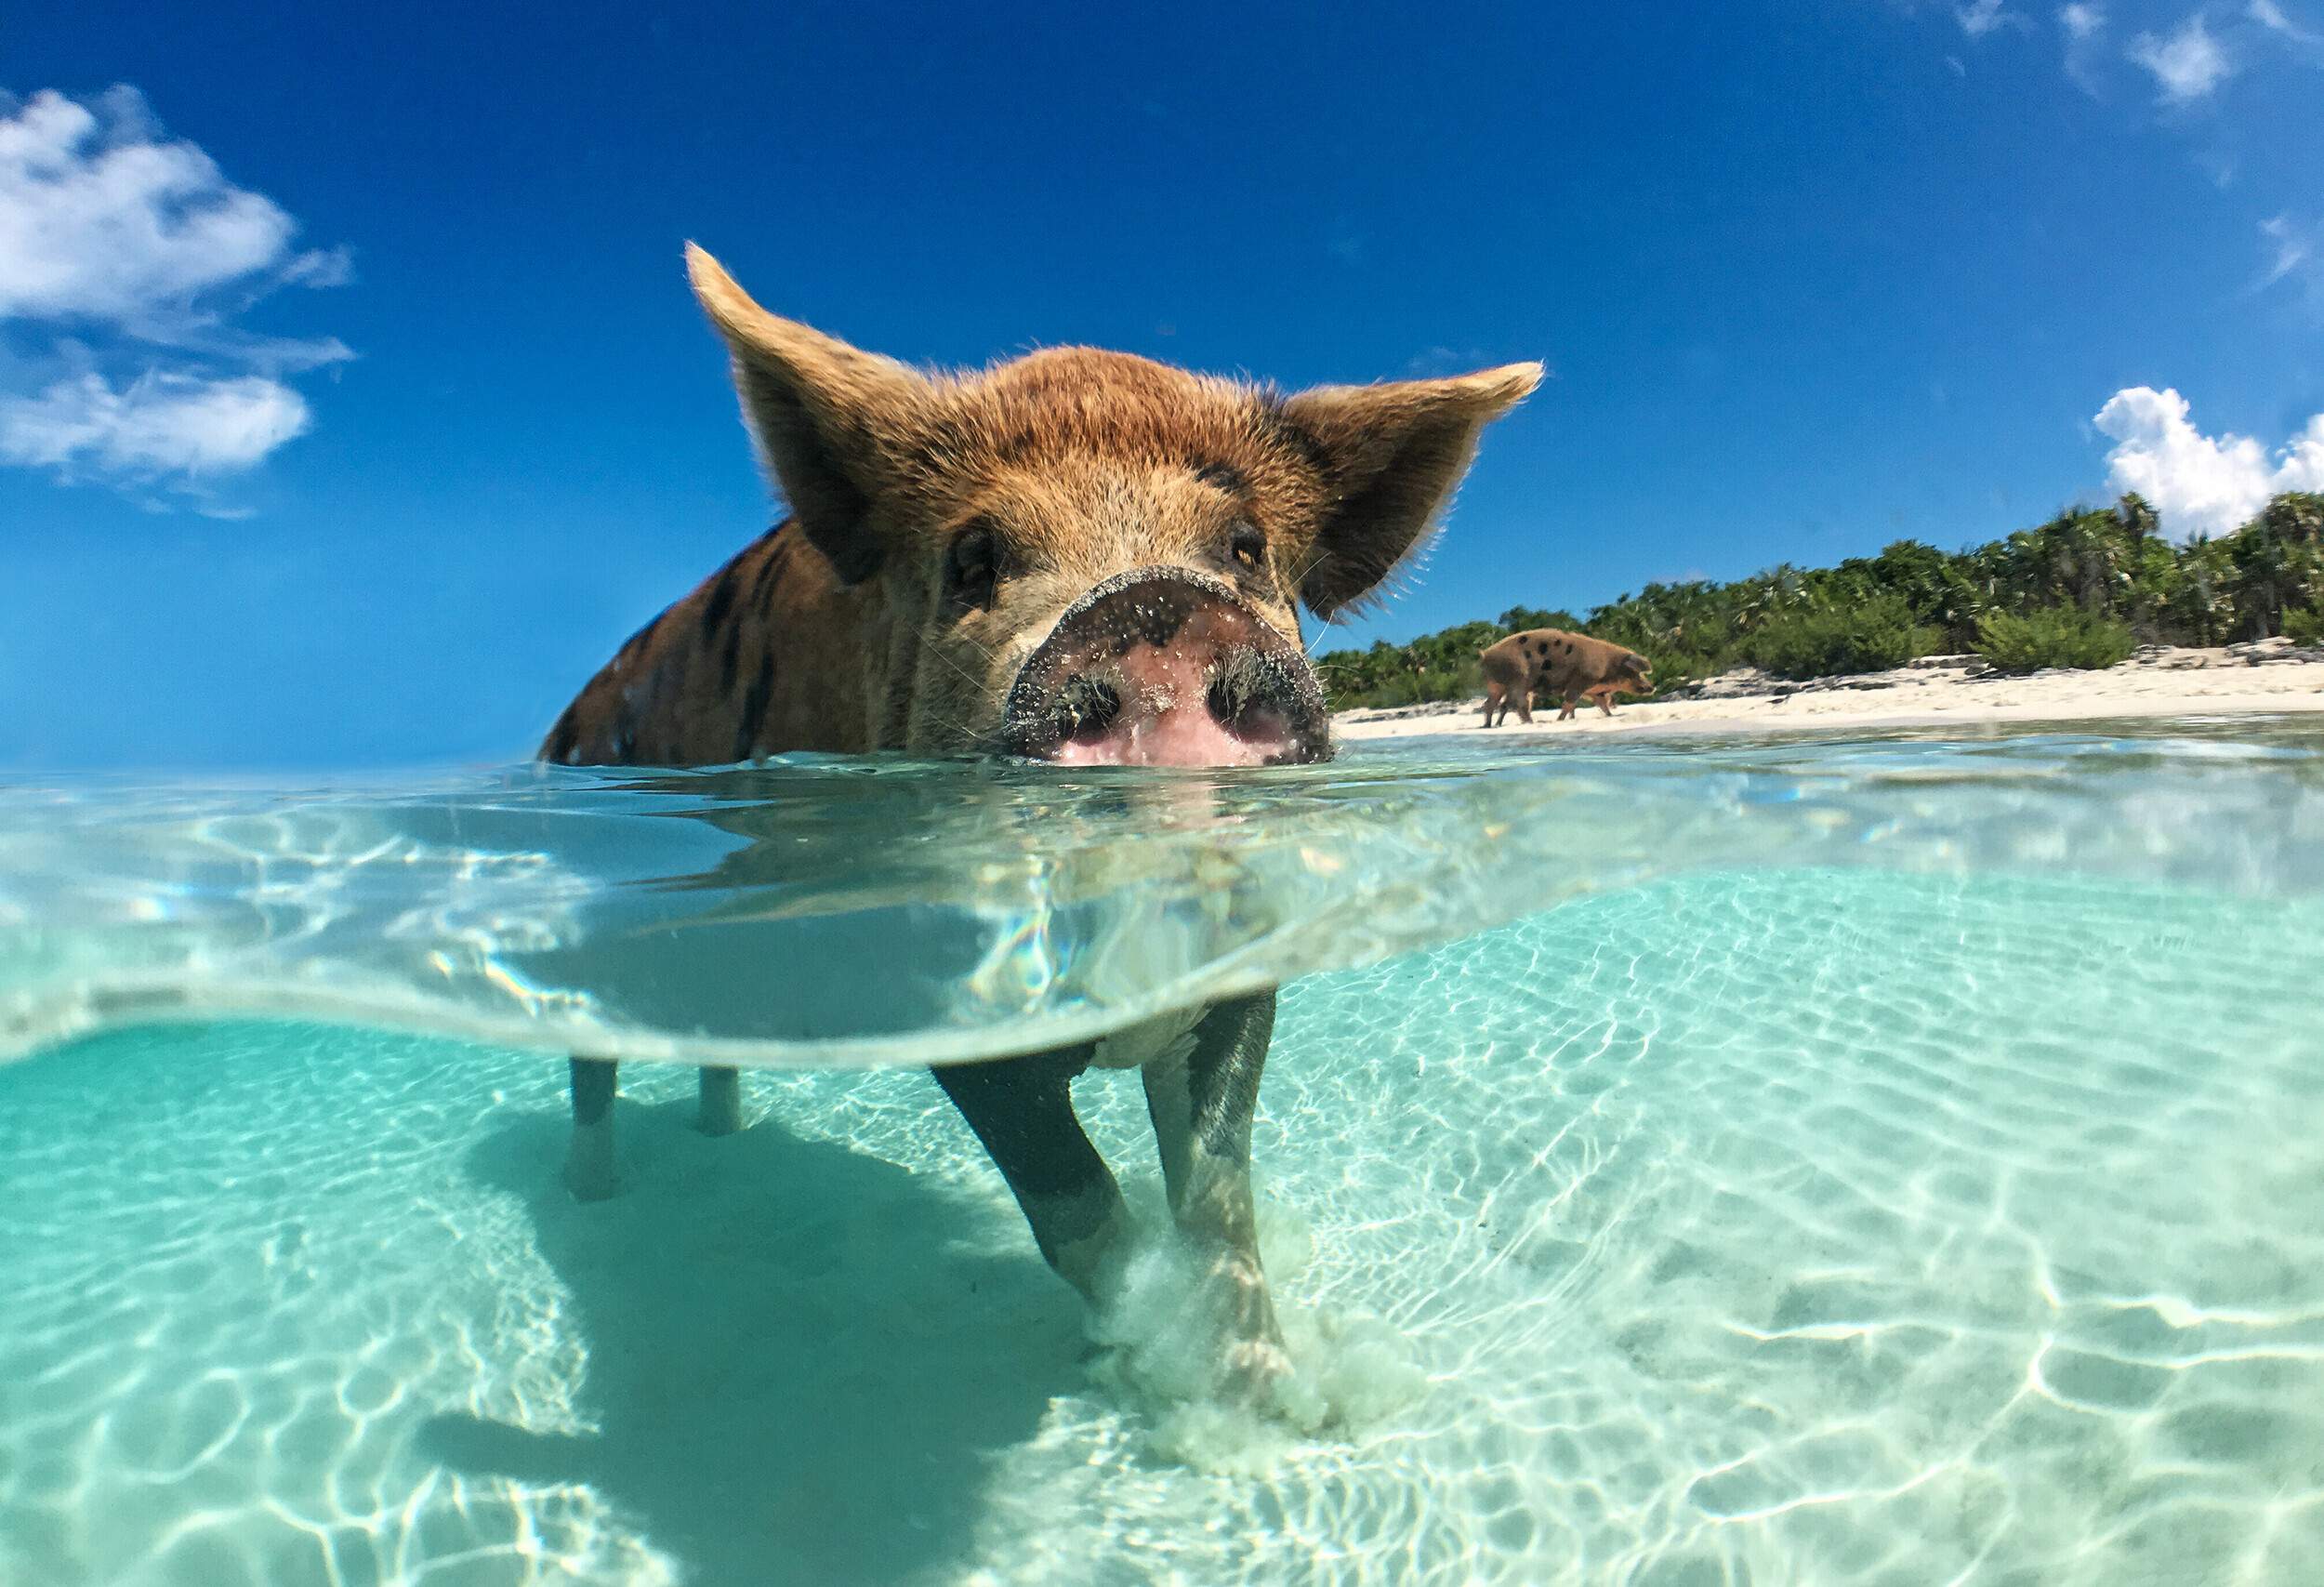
(763, 657)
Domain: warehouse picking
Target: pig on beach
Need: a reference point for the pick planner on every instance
(1562, 665)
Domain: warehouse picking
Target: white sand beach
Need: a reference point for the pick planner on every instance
(2270, 677)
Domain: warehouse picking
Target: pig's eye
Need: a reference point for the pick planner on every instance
(1248, 547)
(972, 566)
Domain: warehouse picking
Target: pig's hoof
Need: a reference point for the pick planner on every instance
(1253, 1372)
(591, 1187)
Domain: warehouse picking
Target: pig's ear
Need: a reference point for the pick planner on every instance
(831, 420)
(1391, 456)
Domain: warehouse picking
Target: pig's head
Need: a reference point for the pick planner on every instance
(1638, 672)
(1088, 557)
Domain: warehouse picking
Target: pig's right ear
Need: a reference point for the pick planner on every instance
(830, 419)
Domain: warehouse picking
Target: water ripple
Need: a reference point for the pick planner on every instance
(849, 913)
(1788, 1225)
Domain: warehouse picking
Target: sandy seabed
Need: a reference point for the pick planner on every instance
(2272, 677)
(1797, 1227)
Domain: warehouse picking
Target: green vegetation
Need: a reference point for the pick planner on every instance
(2059, 636)
(2081, 585)
(2304, 627)
(1820, 642)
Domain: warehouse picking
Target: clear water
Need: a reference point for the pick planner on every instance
(1874, 1161)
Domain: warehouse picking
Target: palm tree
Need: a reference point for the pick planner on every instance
(2137, 517)
(2278, 561)
(2201, 604)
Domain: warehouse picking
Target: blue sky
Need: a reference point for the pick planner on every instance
(353, 407)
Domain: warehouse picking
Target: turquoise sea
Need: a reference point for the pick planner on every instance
(1891, 1160)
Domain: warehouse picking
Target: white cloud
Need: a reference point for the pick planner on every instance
(2200, 484)
(126, 258)
(99, 219)
(2270, 15)
(1981, 17)
(2187, 65)
(321, 267)
(2292, 248)
(161, 424)
(2082, 23)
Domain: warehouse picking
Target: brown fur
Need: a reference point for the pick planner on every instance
(836, 632)
(940, 529)
(1603, 694)
(1562, 665)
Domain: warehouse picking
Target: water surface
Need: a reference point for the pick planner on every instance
(1888, 1160)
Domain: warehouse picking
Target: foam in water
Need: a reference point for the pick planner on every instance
(1159, 1335)
(1802, 1218)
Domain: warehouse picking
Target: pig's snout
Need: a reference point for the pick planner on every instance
(1165, 666)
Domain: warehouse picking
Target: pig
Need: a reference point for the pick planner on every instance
(1076, 557)
(1562, 665)
(1602, 695)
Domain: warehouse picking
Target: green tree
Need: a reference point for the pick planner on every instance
(1866, 636)
(1517, 619)
(2279, 562)
(2057, 636)
(2110, 564)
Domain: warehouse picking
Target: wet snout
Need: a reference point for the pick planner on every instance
(1166, 667)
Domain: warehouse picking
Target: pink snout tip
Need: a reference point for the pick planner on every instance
(1166, 668)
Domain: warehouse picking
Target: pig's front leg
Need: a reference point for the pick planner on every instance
(1021, 1109)
(721, 1101)
(1202, 1105)
(590, 1155)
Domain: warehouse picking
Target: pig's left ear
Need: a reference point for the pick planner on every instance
(1391, 456)
(832, 420)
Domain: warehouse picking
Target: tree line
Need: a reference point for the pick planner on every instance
(2084, 589)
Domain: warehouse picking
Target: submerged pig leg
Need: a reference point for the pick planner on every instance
(1202, 1103)
(721, 1102)
(1021, 1109)
(589, 1156)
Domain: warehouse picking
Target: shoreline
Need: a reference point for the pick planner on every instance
(2269, 678)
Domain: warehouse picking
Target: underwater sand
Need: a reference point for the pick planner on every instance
(1772, 1223)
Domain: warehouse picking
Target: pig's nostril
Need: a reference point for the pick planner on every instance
(1241, 702)
(1086, 708)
